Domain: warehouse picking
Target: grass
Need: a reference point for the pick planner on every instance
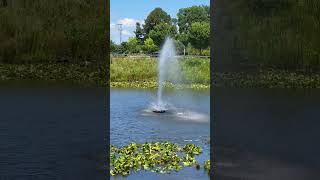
(49, 31)
(142, 73)
(75, 73)
(281, 34)
(268, 79)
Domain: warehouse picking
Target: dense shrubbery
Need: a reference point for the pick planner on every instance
(282, 34)
(49, 31)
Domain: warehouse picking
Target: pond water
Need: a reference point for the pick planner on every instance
(187, 121)
(267, 133)
(51, 131)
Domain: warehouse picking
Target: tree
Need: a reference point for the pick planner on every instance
(180, 47)
(133, 45)
(199, 35)
(113, 46)
(161, 31)
(140, 35)
(156, 17)
(123, 48)
(149, 46)
(187, 16)
(183, 38)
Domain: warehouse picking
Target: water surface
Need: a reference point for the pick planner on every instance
(267, 133)
(51, 131)
(188, 122)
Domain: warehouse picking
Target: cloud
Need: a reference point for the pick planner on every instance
(128, 28)
(127, 33)
(128, 22)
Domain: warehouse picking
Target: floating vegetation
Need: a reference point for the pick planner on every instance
(92, 75)
(268, 79)
(207, 165)
(154, 84)
(95, 75)
(159, 157)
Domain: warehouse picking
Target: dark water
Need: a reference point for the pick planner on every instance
(267, 133)
(51, 132)
(131, 120)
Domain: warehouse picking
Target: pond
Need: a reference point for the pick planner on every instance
(187, 121)
(51, 131)
(267, 133)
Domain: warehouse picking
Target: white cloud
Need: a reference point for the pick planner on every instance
(128, 28)
(127, 33)
(129, 22)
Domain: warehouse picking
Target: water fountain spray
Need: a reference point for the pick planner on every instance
(168, 71)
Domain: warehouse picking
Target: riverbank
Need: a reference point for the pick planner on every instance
(75, 73)
(267, 79)
(143, 74)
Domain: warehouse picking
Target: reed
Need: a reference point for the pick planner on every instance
(42, 31)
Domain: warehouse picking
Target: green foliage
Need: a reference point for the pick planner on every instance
(47, 31)
(161, 31)
(160, 157)
(156, 17)
(159, 25)
(87, 75)
(279, 34)
(113, 46)
(207, 165)
(190, 15)
(267, 79)
(199, 35)
(131, 70)
(179, 47)
(149, 46)
(133, 45)
(136, 71)
(196, 71)
(139, 32)
(183, 38)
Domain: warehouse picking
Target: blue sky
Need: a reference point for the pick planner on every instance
(128, 12)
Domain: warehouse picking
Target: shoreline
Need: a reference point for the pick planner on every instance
(96, 76)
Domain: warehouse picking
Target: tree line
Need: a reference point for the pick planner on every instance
(191, 31)
(40, 31)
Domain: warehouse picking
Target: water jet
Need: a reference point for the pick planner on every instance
(168, 71)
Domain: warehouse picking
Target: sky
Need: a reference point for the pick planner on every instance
(128, 12)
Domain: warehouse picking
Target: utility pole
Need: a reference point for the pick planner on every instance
(120, 30)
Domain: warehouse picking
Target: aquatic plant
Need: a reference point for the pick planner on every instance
(95, 75)
(160, 157)
(207, 165)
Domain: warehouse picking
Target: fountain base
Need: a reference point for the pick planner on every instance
(159, 111)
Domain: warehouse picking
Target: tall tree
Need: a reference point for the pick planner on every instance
(140, 35)
(161, 31)
(187, 16)
(156, 17)
(199, 35)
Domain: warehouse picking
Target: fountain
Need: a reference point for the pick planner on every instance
(168, 71)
